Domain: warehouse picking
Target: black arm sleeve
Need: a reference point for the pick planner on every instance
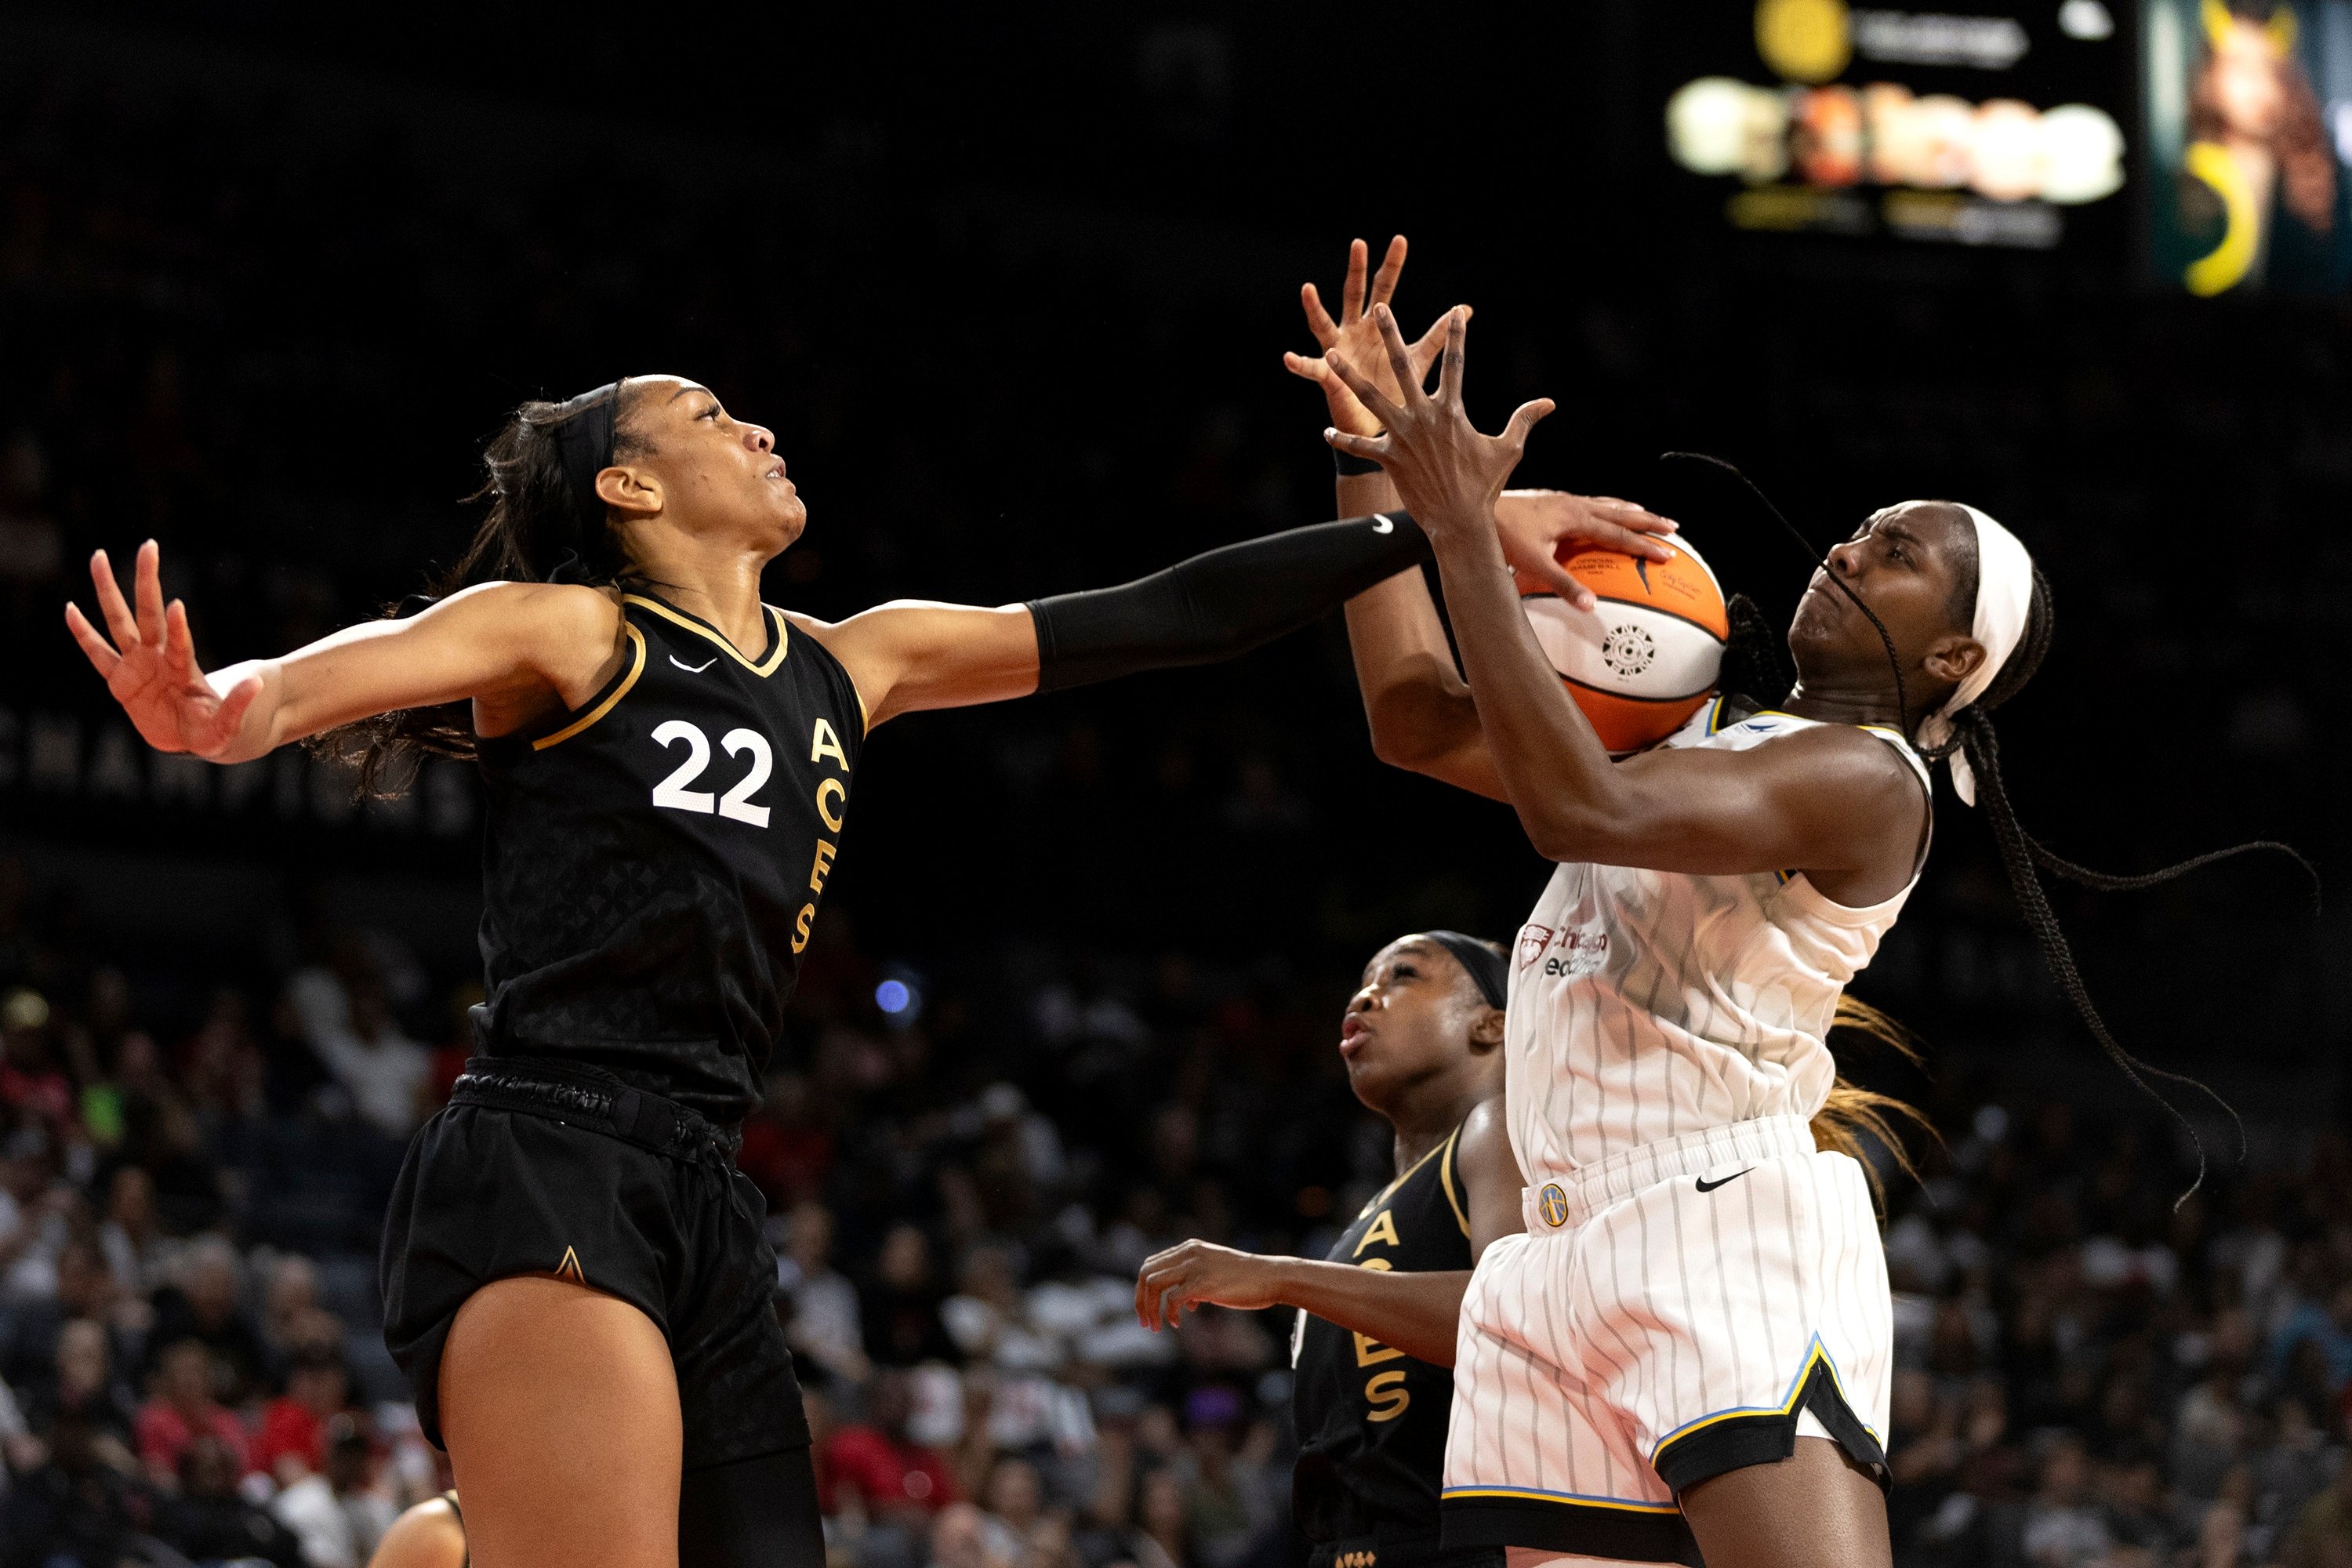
(1221, 603)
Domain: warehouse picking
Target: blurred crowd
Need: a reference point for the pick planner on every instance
(2090, 1374)
(261, 327)
(2095, 1369)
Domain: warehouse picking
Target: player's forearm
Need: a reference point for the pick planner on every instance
(1221, 603)
(1415, 1312)
(1415, 705)
(1555, 772)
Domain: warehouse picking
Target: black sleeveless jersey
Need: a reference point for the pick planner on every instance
(653, 859)
(1371, 1419)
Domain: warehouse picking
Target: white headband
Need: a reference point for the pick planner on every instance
(2005, 593)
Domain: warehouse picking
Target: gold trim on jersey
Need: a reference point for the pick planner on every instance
(775, 618)
(1565, 1500)
(1402, 1177)
(1445, 1180)
(636, 667)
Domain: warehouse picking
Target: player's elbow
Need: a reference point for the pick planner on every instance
(1399, 745)
(1566, 830)
(1413, 728)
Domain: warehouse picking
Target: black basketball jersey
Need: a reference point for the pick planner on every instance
(1371, 1419)
(653, 859)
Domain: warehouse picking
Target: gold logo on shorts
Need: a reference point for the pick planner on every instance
(1553, 1204)
(570, 1267)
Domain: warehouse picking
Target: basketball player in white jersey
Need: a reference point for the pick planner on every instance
(1690, 1350)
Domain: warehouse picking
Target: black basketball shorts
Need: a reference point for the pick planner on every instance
(538, 1169)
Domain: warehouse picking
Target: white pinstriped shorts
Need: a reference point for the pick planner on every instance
(1675, 1311)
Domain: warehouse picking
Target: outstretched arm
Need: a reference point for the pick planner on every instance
(1415, 702)
(1416, 1312)
(512, 646)
(912, 655)
(1823, 799)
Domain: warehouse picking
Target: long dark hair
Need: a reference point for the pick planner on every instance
(536, 530)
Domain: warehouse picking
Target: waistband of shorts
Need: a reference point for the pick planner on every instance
(1576, 1195)
(595, 1100)
(1396, 1546)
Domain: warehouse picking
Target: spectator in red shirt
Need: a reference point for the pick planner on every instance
(293, 1441)
(878, 1463)
(182, 1406)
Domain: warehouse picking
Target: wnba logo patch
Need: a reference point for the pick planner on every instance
(1552, 1204)
(1628, 650)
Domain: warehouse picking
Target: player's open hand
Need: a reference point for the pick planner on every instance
(1357, 337)
(150, 665)
(1447, 473)
(1192, 1272)
(1534, 524)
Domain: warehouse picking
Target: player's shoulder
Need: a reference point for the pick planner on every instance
(1868, 750)
(554, 607)
(1483, 1140)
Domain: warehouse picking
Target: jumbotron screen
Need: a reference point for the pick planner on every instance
(1965, 125)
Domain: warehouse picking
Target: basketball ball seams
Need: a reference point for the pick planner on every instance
(1651, 652)
(1722, 638)
(1703, 692)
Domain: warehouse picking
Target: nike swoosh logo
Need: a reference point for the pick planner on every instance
(694, 668)
(1706, 1186)
(1383, 525)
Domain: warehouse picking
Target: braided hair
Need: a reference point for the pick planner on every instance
(2024, 857)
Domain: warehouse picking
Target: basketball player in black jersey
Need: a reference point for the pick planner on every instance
(1422, 1040)
(573, 1275)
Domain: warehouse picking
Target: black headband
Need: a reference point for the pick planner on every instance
(584, 442)
(1486, 965)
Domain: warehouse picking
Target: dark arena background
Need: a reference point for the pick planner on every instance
(1011, 286)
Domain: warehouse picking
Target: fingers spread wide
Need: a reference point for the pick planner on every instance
(100, 652)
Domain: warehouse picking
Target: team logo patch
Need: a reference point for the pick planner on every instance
(1533, 940)
(1552, 1204)
(1629, 650)
(570, 1268)
(1582, 953)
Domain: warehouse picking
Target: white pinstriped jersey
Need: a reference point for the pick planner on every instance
(1648, 1004)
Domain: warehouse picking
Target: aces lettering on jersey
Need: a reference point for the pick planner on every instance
(832, 801)
(1383, 1390)
(830, 796)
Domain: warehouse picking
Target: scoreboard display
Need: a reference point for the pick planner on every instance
(2248, 116)
(1967, 125)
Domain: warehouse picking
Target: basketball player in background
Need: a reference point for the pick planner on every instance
(574, 1273)
(1422, 1042)
(1689, 1349)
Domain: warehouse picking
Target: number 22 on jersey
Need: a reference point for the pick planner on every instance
(736, 804)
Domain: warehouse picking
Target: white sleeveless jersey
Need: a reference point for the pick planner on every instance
(1649, 1004)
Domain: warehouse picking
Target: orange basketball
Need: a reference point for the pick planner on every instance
(1646, 657)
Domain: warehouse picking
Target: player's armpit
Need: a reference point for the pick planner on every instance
(1491, 1182)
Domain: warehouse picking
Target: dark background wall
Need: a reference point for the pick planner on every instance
(1011, 290)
